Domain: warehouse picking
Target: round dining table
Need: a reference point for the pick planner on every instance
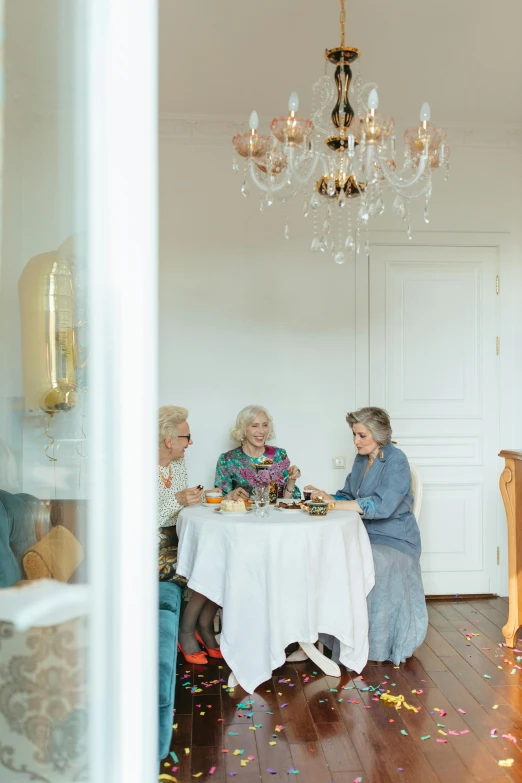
(280, 579)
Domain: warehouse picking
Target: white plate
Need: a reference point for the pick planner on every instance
(289, 510)
(219, 510)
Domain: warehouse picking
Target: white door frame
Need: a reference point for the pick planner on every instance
(506, 375)
(122, 262)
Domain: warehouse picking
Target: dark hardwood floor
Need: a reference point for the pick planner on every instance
(467, 688)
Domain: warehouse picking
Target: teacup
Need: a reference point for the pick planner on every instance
(213, 496)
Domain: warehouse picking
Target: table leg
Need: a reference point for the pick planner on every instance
(325, 664)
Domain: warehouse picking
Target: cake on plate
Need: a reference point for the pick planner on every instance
(233, 506)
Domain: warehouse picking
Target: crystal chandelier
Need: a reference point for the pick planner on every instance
(341, 164)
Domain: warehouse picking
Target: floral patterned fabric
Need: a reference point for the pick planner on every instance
(168, 556)
(168, 510)
(230, 463)
(43, 703)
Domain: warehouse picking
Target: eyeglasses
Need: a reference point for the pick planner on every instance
(188, 437)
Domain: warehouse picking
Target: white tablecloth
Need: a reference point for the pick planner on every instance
(279, 580)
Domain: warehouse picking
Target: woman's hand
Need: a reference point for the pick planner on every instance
(237, 494)
(294, 473)
(320, 494)
(311, 488)
(189, 497)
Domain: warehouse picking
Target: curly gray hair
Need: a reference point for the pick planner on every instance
(245, 417)
(377, 421)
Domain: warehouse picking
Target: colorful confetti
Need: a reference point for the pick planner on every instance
(398, 701)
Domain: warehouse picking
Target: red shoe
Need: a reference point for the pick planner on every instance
(198, 657)
(215, 653)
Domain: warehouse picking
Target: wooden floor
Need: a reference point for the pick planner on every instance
(337, 731)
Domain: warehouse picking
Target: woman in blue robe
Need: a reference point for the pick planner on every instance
(379, 489)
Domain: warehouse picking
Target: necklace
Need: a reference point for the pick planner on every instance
(167, 482)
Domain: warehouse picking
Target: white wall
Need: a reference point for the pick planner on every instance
(41, 209)
(40, 213)
(248, 317)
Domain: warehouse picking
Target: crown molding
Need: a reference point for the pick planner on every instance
(218, 130)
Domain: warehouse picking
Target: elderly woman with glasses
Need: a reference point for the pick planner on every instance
(173, 495)
(379, 489)
(254, 427)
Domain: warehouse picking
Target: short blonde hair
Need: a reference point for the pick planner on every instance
(245, 418)
(169, 418)
(376, 419)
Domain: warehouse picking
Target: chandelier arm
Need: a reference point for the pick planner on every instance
(396, 182)
(303, 180)
(274, 188)
(413, 193)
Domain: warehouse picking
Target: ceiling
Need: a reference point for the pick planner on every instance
(226, 58)
(230, 57)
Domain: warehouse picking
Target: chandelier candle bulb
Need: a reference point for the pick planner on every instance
(293, 102)
(373, 99)
(425, 113)
(254, 121)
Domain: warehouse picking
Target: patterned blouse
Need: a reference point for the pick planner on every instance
(230, 463)
(168, 510)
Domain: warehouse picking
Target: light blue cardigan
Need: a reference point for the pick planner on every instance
(386, 499)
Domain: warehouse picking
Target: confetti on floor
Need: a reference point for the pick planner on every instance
(377, 693)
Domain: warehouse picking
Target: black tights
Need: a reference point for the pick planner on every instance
(198, 616)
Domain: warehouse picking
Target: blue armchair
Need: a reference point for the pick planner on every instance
(19, 518)
(169, 611)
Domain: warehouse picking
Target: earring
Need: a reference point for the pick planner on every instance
(381, 454)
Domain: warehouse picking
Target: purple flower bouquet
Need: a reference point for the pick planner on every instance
(261, 475)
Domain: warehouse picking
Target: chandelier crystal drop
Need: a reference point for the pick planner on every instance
(341, 164)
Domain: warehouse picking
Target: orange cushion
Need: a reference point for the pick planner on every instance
(56, 556)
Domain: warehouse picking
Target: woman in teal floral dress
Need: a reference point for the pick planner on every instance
(253, 429)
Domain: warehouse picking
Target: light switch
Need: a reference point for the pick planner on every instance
(339, 462)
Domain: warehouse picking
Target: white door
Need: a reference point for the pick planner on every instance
(433, 366)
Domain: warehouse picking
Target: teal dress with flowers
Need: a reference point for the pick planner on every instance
(230, 463)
